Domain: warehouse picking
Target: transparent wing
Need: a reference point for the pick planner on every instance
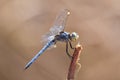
(46, 38)
(60, 22)
(58, 26)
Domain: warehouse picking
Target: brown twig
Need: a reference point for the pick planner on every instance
(74, 63)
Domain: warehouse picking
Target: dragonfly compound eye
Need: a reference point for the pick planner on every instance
(74, 36)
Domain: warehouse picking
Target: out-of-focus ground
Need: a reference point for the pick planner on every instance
(23, 22)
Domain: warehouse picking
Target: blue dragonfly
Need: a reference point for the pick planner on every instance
(56, 34)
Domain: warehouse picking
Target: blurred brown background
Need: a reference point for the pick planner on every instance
(23, 22)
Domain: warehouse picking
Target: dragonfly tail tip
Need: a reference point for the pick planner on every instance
(25, 67)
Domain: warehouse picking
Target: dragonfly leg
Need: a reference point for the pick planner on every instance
(67, 50)
(71, 45)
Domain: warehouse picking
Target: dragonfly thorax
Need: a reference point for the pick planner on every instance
(63, 36)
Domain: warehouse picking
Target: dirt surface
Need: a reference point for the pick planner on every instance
(23, 22)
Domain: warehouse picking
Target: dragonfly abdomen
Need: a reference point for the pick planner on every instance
(50, 43)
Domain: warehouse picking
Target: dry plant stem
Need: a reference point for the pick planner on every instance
(74, 62)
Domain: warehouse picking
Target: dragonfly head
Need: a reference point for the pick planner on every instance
(74, 36)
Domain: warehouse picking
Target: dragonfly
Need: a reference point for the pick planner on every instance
(55, 34)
